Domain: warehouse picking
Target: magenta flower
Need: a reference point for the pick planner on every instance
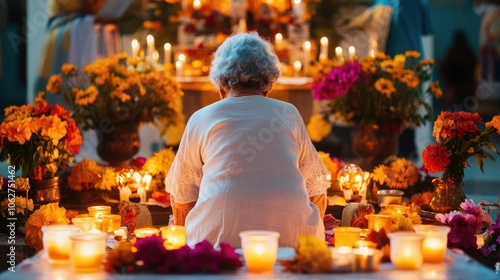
(150, 251)
(337, 82)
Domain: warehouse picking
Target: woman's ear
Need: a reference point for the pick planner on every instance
(222, 93)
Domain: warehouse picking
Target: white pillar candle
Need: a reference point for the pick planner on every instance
(155, 57)
(125, 193)
(352, 52)
(167, 53)
(323, 54)
(150, 42)
(296, 67)
(178, 68)
(135, 48)
(196, 4)
(278, 41)
(307, 55)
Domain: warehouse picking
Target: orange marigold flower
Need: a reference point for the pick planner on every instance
(435, 158)
(427, 61)
(495, 122)
(435, 89)
(411, 80)
(69, 69)
(54, 84)
(385, 87)
(412, 54)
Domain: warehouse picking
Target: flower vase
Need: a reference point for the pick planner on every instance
(119, 146)
(447, 195)
(44, 191)
(373, 144)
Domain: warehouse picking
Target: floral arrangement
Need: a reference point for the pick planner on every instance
(47, 214)
(158, 166)
(149, 254)
(38, 138)
(400, 173)
(459, 137)
(119, 92)
(88, 175)
(318, 128)
(491, 247)
(403, 221)
(378, 90)
(311, 256)
(465, 225)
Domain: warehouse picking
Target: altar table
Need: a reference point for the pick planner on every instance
(456, 266)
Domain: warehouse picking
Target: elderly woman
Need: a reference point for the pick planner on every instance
(246, 162)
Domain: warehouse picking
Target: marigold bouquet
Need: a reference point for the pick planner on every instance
(47, 214)
(118, 92)
(38, 138)
(88, 175)
(459, 137)
(378, 90)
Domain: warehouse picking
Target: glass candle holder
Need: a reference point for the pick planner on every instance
(88, 251)
(57, 243)
(346, 236)
(342, 259)
(435, 242)
(87, 223)
(260, 250)
(96, 211)
(388, 197)
(174, 237)
(406, 250)
(146, 232)
(398, 209)
(111, 222)
(366, 259)
(377, 222)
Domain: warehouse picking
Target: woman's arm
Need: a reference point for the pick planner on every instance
(321, 202)
(180, 211)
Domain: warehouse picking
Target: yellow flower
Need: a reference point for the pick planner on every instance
(312, 256)
(399, 61)
(84, 175)
(160, 162)
(332, 166)
(22, 183)
(385, 87)
(54, 84)
(47, 215)
(87, 96)
(107, 180)
(379, 174)
(412, 54)
(495, 122)
(435, 89)
(69, 69)
(318, 128)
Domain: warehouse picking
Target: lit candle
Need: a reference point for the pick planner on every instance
(352, 52)
(346, 236)
(278, 41)
(174, 237)
(87, 251)
(388, 197)
(307, 54)
(167, 53)
(178, 68)
(372, 53)
(260, 250)
(397, 209)
(96, 211)
(121, 232)
(366, 259)
(341, 259)
(125, 193)
(150, 42)
(155, 57)
(86, 223)
(296, 67)
(141, 191)
(339, 53)
(377, 222)
(146, 232)
(182, 58)
(57, 243)
(297, 8)
(323, 54)
(406, 250)
(111, 222)
(146, 180)
(435, 242)
(196, 4)
(135, 48)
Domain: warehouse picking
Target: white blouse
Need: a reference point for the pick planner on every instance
(249, 164)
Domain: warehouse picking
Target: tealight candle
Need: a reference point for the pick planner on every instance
(86, 223)
(341, 259)
(57, 243)
(87, 251)
(323, 54)
(377, 222)
(96, 211)
(435, 242)
(406, 250)
(346, 236)
(366, 259)
(111, 222)
(146, 232)
(174, 236)
(260, 250)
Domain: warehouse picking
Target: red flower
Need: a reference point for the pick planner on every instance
(58, 110)
(73, 137)
(42, 107)
(137, 162)
(435, 158)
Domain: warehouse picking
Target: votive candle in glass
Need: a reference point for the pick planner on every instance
(398, 209)
(366, 259)
(435, 242)
(87, 223)
(342, 259)
(174, 237)
(260, 250)
(146, 232)
(377, 222)
(111, 222)
(406, 250)
(88, 251)
(56, 242)
(346, 236)
(96, 211)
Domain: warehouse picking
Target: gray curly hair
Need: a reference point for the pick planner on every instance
(244, 61)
